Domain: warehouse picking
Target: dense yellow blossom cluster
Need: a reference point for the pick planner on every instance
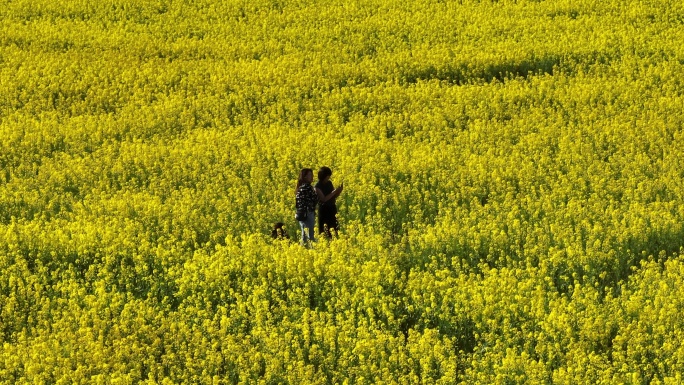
(513, 207)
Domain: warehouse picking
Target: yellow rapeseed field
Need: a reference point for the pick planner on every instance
(513, 207)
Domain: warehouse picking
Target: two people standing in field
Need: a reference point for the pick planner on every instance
(323, 195)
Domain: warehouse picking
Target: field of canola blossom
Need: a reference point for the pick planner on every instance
(513, 208)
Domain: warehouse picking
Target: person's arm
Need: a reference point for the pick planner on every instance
(313, 197)
(333, 194)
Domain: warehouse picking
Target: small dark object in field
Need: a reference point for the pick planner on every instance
(279, 231)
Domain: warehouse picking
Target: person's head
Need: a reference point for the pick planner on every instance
(279, 231)
(324, 173)
(305, 176)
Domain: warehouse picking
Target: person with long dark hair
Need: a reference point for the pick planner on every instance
(305, 200)
(327, 208)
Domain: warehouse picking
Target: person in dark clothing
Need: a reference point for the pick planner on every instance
(305, 200)
(327, 208)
